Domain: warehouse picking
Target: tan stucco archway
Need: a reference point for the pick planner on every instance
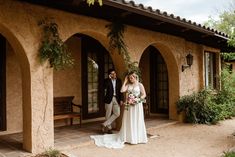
(26, 96)
(101, 37)
(173, 75)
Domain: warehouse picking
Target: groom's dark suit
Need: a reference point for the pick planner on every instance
(108, 85)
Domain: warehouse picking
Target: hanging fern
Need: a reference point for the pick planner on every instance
(116, 41)
(92, 2)
(52, 48)
(115, 35)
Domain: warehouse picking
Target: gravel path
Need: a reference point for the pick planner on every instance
(178, 140)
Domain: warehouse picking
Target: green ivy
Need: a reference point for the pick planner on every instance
(115, 35)
(116, 41)
(52, 48)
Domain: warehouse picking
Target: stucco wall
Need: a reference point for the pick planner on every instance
(13, 92)
(67, 82)
(18, 23)
(144, 67)
(19, 26)
(191, 77)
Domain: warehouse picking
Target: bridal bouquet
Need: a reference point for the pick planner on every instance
(133, 99)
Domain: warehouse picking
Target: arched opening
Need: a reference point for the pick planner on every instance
(15, 87)
(85, 80)
(172, 71)
(155, 79)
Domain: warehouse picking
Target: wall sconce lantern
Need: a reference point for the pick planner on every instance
(189, 59)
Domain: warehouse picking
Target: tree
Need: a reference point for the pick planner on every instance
(226, 24)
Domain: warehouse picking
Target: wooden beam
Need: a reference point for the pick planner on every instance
(185, 30)
(159, 23)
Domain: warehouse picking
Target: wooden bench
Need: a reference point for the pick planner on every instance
(63, 109)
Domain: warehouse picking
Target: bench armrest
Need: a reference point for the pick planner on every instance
(80, 106)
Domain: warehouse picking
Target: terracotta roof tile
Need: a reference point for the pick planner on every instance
(172, 17)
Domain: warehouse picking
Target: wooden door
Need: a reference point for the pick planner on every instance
(95, 65)
(159, 98)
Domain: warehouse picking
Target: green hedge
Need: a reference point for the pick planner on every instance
(210, 106)
(229, 154)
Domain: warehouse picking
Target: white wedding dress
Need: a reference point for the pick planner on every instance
(133, 128)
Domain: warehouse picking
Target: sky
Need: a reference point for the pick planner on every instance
(195, 10)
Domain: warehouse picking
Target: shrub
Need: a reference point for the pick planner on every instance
(208, 106)
(198, 107)
(52, 153)
(229, 154)
(226, 96)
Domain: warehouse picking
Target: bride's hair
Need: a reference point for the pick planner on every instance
(134, 74)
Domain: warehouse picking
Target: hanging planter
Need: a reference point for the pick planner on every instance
(52, 48)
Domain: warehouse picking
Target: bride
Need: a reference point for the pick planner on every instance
(133, 130)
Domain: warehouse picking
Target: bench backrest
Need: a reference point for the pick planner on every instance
(63, 105)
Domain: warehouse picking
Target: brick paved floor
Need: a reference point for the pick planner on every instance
(67, 137)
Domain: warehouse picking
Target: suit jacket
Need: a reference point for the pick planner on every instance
(108, 87)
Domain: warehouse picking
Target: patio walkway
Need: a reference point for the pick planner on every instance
(69, 137)
(178, 140)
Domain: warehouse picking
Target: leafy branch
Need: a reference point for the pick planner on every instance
(115, 35)
(228, 56)
(52, 48)
(116, 41)
(92, 2)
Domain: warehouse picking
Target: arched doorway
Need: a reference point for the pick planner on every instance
(95, 65)
(14, 87)
(85, 80)
(11, 103)
(155, 79)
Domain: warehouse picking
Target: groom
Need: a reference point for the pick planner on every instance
(113, 100)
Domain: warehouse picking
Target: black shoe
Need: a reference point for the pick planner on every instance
(103, 128)
(110, 131)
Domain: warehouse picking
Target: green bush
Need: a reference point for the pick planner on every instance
(229, 154)
(52, 153)
(227, 92)
(208, 106)
(226, 96)
(198, 107)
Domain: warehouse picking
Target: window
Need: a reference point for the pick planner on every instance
(210, 70)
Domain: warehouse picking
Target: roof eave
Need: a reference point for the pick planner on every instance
(140, 9)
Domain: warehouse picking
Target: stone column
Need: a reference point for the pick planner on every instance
(38, 124)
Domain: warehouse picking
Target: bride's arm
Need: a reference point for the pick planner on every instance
(142, 91)
(124, 85)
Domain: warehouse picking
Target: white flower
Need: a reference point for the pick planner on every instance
(133, 99)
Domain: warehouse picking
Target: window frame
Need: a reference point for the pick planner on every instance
(210, 81)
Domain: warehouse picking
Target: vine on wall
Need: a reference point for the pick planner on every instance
(52, 48)
(116, 41)
(115, 35)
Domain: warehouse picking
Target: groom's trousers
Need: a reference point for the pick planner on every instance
(112, 112)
